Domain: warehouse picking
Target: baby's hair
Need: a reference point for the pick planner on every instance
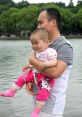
(43, 33)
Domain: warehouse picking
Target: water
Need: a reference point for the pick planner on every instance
(13, 56)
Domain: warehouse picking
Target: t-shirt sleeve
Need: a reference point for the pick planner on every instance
(65, 53)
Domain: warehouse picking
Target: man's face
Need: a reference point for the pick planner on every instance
(43, 21)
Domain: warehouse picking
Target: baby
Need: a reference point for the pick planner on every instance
(39, 40)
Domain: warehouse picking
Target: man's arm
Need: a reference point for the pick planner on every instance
(53, 72)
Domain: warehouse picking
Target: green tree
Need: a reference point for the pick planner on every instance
(76, 23)
(79, 15)
(79, 4)
(22, 4)
(15, 18)
(60, 4)
(7, 20)
(66, 16)
(71, 3)
(28, 17)
(6, 2)
(3, 8)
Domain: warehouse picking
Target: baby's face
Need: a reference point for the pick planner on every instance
(38, 45)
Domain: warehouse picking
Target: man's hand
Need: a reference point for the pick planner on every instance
(29, 88)
(33, 59)
(32, 56)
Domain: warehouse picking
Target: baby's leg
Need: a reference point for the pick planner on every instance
(18, 84)
(37, 110)
(41, 98)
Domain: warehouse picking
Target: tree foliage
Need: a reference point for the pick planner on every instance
(15, 17)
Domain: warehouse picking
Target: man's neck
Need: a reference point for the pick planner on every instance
(54, 36)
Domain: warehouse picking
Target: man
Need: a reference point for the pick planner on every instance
(51, 20)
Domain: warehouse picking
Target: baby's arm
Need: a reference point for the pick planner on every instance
(52, 58)
(50, 63)
(47, 64)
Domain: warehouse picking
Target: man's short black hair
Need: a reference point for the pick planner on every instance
(54, 14)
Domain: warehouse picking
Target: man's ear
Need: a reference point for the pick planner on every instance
(54, 22)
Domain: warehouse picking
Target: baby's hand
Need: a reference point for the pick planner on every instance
(29, 89)
(25, 68)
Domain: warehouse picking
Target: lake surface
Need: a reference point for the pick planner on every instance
(13, 56)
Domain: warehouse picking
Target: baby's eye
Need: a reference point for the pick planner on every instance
(36, 43)
(40, 22)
